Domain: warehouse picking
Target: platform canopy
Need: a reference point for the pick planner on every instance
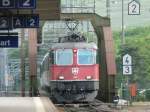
(47, 10)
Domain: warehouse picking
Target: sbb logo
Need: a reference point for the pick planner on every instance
(75, 71)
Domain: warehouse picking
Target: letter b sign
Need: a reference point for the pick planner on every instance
(7, 3)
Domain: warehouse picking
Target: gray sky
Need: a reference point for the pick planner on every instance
(116, 13)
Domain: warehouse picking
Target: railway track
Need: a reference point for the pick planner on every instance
(95, 106)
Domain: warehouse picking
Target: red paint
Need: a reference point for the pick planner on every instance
(133, 89)
(75, 57)
(67, 72)
(84, 70)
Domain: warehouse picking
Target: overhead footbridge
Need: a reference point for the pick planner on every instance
(50, 10)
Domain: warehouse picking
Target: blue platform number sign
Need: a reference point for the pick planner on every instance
(26, 21)
(8, 41)
(18, 21)
(32, 21)
(4, 23)
(27, 4)
(7, 3)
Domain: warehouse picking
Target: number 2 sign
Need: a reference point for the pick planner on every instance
(134, 8)
(27, 3)
(32, 21)
(5, 23)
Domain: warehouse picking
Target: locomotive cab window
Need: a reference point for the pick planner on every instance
(51, 55)
(86, 57)
(64, 57)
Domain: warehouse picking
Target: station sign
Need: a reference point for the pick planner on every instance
(127, 70)
(18, 4)
(7, 4)
(19, 21)
(26, 21)
(127, 60)
(134, 8)
(32, 21)
(8, 41)
(5, 23)
(27, 4)
(127, 64)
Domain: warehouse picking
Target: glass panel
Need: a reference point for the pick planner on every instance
(77, 6)
(86, 57)
(59, 29)
(64, 57)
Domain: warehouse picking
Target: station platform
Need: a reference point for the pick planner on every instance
(26, 104)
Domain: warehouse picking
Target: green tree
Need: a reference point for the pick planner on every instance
(137, 45)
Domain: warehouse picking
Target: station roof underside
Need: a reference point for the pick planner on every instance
(51, 10)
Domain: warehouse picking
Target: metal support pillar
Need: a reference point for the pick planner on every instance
(107, 63)
(123, 32)
(108, 8)
(22, 51)
(102, 95)
(110, 61)
(32, 61)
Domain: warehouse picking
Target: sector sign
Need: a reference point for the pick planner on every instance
(18, 4)
(19, 21)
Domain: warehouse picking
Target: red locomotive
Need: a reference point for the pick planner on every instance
(70, 71)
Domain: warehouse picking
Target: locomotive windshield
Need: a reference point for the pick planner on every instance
(86, 57)
(64, 57)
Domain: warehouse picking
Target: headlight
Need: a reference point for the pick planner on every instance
(61, 78)
(89, 77)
